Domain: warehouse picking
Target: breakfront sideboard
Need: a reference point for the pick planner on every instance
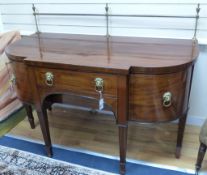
(139, 79)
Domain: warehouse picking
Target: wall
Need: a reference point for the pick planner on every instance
(1, 24)
(198, 99)
(17, 14)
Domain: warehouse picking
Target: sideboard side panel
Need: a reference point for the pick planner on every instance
(22, 85)
(146, 96)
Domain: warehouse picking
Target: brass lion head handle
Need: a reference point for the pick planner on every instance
(49, 77)
(167, 99)
(99, 84)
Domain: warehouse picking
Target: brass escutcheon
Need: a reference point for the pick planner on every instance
(49, 78)
(167, 99)
(99, 83)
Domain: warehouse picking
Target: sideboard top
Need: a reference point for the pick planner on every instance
(99, 53)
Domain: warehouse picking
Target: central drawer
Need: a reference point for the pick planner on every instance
(64, 80)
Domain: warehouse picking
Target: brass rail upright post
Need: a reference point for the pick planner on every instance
(107, 20)
(196, 22)
(35, 17)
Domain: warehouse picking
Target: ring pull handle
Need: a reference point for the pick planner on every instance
(167, 99)
(49, 78)
(99, 83)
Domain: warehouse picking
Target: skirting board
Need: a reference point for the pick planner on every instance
(195, 120)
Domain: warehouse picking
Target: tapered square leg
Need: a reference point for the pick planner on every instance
(122, 116)
(30, 115)
(43, 119)
(122, 147)
(180, 134)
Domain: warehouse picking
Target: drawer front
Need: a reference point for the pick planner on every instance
(149, 96)
(73, 81)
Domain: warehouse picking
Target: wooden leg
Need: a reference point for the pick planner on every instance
(122, 116)
(43, 119)
(30, 115)
(122, 147)
(48, 105)
(181, 129)
(201, 154)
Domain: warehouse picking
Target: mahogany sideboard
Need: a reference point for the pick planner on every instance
(140, 79)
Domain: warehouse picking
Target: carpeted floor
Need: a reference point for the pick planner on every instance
(16, 162)
(88, 160)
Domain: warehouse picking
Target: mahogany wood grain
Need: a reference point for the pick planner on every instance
(41, 111)
(22, 85)
(146, 94)
(122, 118)
(90, 53)
(136, 73)
(30, 116)
(78, 82)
